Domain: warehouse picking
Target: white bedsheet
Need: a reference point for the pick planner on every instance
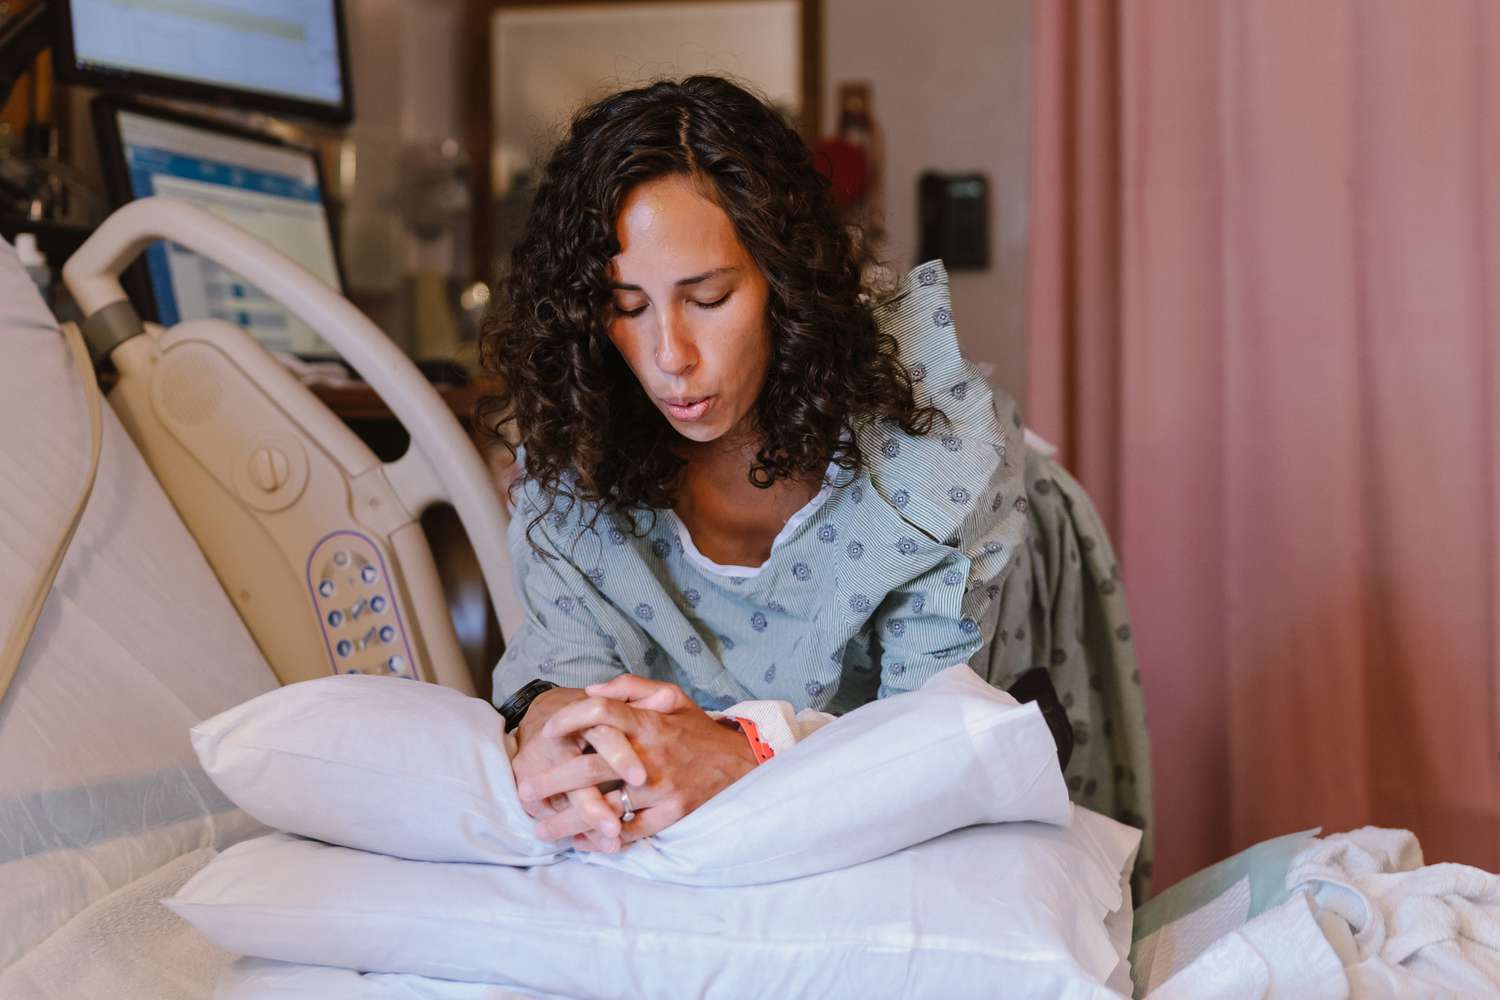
(126, 946)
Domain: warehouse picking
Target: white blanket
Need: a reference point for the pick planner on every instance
(1367, 920)
(1414, 930)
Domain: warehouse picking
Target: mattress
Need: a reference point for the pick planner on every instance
(99, 786)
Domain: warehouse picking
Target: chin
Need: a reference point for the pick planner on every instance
(697, 432)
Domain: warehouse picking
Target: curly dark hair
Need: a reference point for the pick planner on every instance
(590, 431)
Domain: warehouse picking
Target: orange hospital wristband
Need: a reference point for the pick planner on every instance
(762, 750)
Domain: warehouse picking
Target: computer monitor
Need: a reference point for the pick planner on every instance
(272, 189)
(282, 56)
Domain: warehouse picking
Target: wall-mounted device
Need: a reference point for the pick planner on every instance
(953, 212)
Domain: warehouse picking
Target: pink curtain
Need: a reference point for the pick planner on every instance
(1264, 319)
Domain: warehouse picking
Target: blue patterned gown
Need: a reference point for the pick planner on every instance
(883, 579)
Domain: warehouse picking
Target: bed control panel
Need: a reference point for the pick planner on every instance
(357, 608)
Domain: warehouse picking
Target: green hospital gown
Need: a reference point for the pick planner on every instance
(924, 559)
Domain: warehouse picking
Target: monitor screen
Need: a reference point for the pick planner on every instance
(272, 190)
(276, 54)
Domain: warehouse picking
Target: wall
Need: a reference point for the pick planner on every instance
(405, 91)
(951, 92)
(551, 60)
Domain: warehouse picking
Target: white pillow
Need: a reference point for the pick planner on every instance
(892, 773)
(376, 763)
(1015, 908)
(420, 772)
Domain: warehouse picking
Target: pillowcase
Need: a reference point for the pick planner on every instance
(1018, 904)
(376, 763)
(421, 772)
(261, 979)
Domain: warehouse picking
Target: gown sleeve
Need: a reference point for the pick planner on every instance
(561, 639)
(958, 489)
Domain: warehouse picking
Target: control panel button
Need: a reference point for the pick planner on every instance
(269, 469)
(341, 558)
(368, 574)
(377, 604)
(396, 664)
(387, 633)
(335, 618)
(326, 588)
(344, 648)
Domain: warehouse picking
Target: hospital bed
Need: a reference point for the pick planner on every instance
(287, 550)
(236, 537)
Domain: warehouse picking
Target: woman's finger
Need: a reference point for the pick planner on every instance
(624, 762)
(593, 841)
(584, 771)
(651, 815)
(587, 811)
(657, 696)
(562, 825)
(539, 809)
(588, 712)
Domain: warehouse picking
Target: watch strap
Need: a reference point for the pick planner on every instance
(514, 708)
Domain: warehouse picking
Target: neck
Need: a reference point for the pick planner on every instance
(731, 520)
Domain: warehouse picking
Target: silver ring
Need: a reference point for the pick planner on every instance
(628, 812)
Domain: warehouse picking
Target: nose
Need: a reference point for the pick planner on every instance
(676, 354)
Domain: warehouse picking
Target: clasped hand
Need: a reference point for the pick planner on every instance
(647, 737)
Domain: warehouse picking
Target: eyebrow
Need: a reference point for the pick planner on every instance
(680, 281)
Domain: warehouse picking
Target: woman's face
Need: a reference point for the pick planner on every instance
(689, 308)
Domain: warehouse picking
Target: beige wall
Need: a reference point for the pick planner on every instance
(549, 61)
(951, 84)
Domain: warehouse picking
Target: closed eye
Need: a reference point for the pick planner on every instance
(632, 313)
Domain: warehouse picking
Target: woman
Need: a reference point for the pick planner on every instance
(742, 479)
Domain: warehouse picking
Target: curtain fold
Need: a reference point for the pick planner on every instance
(1263, 320)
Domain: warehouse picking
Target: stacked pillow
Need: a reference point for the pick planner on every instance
(921, 845)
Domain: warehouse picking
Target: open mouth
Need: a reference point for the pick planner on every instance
(688, 408)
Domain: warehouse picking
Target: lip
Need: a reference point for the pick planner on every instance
(688, 408)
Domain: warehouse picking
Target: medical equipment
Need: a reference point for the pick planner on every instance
(284, 56)
(314, 540)
(273, 190)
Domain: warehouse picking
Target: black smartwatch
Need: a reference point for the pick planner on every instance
(514, 709)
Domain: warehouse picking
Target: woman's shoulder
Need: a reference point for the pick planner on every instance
(557, 518)
(940, 479)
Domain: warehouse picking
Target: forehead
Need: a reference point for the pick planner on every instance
(668, 228)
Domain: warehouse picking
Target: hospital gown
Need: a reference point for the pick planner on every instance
(928, 557)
